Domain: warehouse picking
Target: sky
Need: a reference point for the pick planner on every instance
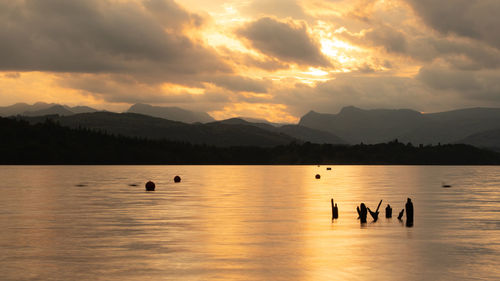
(271, 59)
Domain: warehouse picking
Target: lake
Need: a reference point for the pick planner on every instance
(247, 223)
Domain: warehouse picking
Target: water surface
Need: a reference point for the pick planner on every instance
(247, 223)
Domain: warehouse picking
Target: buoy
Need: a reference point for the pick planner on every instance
(150, 186)
(328, 169)
(177, 179)
(318, 176)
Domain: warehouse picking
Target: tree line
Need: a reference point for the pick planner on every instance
(50, 143)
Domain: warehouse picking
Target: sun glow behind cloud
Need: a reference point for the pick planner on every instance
(249, 57)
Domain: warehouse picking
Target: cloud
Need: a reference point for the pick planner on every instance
(103, 36)
(286, 41)
(473, 85)
(477, 19)
(241, 84)
(367, 91)
(462, 53)
(171, 15)
(277, 8)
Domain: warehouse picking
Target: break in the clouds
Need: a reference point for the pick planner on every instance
(271, 59)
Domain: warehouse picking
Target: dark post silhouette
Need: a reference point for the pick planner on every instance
(388, 211)
(362, 212)
(401, 214)
(335, 211)
(409, 213)
(375, 214)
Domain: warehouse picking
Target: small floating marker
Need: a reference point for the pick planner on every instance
(132, 184)
(445, 185)
(177, 179)
(328, 169)
(318, 176)
(150, 186)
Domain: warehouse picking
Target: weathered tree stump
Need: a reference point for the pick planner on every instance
(362, 212)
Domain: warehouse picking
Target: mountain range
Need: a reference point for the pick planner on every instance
(41, 108)
(476, 126)
(356, 125)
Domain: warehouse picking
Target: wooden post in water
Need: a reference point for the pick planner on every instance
(333, 211)
(376, 211)
(388, 211)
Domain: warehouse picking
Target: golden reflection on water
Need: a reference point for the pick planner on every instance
(247, 223)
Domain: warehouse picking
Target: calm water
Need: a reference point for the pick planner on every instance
(247, 223)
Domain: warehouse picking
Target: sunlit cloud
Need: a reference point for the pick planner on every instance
(273, 59)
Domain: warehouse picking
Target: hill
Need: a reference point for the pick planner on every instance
(147, 127)
(171, 113)
(301, 133)
(488, 139)
(373, 126)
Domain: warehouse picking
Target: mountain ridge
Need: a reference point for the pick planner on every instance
(171, 113)
(357, 125)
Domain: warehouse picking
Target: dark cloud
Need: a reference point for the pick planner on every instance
(474, 85)
(241, 84)
(286, 41)
(476, 19)
(390, 38)
(103, 36)
(172, 15)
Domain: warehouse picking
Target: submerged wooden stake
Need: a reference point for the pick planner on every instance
(335, 210)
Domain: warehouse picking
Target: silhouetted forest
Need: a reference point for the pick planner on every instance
(50, 143)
